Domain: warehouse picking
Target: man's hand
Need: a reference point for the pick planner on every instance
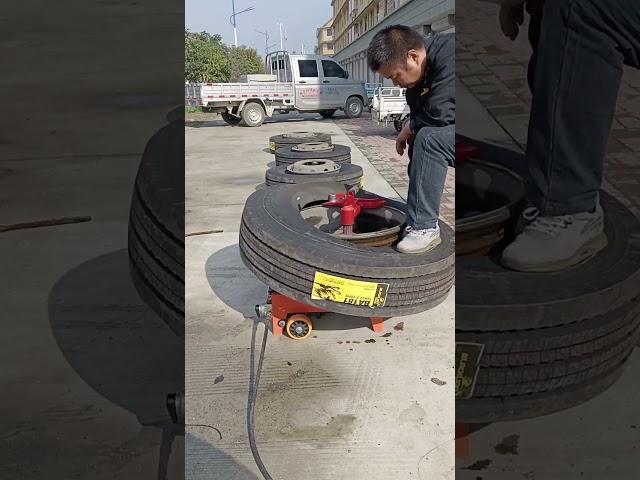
(403, 136)
(511, 16)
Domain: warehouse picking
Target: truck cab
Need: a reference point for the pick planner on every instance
(320, 83)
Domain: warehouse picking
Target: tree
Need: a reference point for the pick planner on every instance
(206, 58)
(244, 61)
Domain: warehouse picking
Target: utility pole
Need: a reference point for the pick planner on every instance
(280, 27)
(285, 37)
(266, 41)
(232, 20)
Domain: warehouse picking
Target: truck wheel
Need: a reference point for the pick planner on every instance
(327, 113)
(286, 252)
(156, 226)
(353, 108)
(348, 174)
(253, 114)
(294, 138)
(397, 124)
(548, 344)
(313, 151)
(230, 119)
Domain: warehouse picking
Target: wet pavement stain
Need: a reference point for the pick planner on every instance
(387, 335)
(438, 382)
(218, 379)
(479, 465)
(338, 427)
(399, 327)
(371, 340)
(508, 446)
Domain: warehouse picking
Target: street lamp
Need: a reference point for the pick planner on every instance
(280, 27)
(232, 19)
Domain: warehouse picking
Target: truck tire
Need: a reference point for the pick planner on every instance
(230, 119)
(294, 138)
(253, 114)
(291, 154)
(553, 343)
(353, 108)
(285, 252)
(156, 226)
(397, 124)
(349, 175)
(327, 113)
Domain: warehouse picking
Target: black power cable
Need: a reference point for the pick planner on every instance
(254, 381)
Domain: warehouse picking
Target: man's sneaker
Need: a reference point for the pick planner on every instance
(419, 241)
(553, 243)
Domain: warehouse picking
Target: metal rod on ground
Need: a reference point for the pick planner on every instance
(205, 232)
(43, 223)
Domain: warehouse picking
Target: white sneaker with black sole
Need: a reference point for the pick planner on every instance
(555, 243)
(419, 241)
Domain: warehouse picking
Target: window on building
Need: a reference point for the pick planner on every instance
(332, 69)
(308, 68)
(329, 46)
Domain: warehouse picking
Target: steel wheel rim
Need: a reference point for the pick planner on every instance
(254, 115)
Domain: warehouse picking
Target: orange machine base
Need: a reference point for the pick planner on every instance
(282, 307)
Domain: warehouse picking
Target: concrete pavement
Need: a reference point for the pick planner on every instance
(346, 403)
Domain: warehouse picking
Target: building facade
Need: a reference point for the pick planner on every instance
(355, 22)
(325, 39)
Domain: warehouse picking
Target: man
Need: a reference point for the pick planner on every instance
(579, 49)
(426, 68)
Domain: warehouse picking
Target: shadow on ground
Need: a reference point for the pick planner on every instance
(117, 344)
(240, 290)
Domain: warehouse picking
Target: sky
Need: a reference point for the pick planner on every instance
(301, 18)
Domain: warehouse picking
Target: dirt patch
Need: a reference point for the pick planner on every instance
(399, 327)
(478, 465)
(508, 446)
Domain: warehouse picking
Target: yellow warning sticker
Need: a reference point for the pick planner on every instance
(272, 146)
(362, 182)
(345, 290)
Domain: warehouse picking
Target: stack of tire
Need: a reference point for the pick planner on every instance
(304, 157)
(156, 224)
(287, 253)
(530, 344)
(294, 138)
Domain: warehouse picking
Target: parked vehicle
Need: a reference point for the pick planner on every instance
(304, 83)
(371, 91)
(390, 105)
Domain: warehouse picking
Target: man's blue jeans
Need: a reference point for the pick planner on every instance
(576, 70)
(433, 150)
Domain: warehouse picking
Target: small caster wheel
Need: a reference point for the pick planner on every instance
(299, 327)
(282, 323)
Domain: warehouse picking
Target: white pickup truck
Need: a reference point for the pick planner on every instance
(390, 105)
(304, 83)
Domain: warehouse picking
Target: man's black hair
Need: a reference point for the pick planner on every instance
(390, 45)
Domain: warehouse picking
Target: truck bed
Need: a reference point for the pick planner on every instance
(207, 93)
